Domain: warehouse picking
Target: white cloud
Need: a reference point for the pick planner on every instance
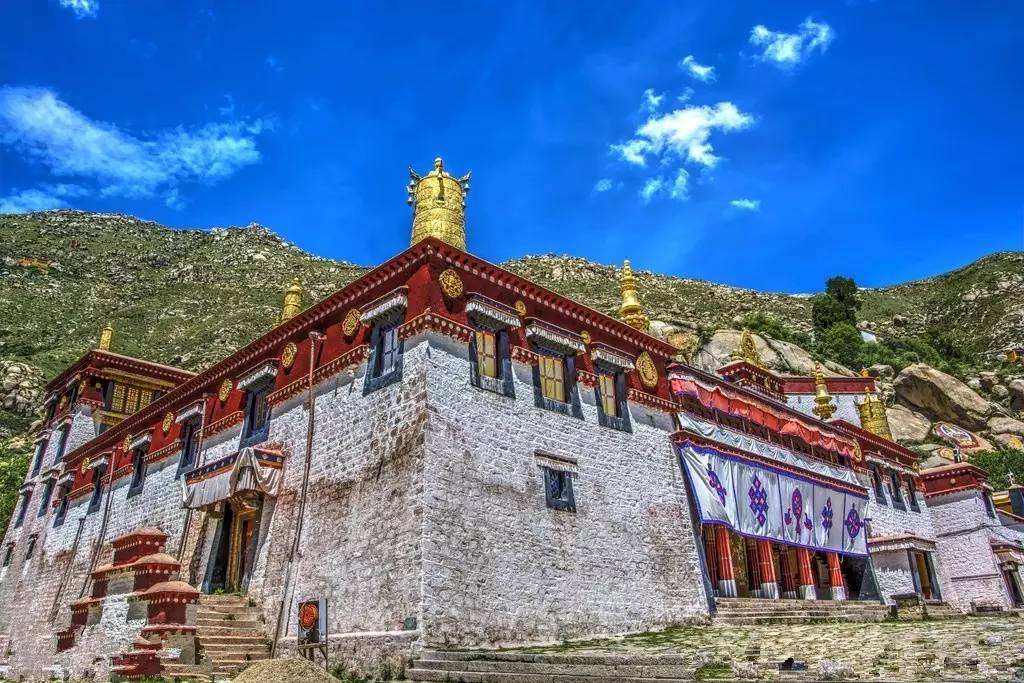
(83, 9)
(651, 101)
(685, 97)
(274, 63)
(700, 72)
(786, 50)
(746, 204)
(603, 185)
(685, 133)
(680, 186)
(35, 122)
(45, 197)
(652, 187)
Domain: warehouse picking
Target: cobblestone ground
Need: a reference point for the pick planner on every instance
(960, 649)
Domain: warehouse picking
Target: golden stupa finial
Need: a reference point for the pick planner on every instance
(746, 350)
(106, 337)
(438, 201)
(292, 301)
(824, 408)
(873, 417)
(631, 312)
(865, 373)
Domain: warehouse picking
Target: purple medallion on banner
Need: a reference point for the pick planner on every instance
(758, 500)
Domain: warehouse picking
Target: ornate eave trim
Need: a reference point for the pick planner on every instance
(651, 400)
(350, 358)
(52, 473)
(65, 477)
(100, 460)
(161, 453)
(226, 422)
(27, 486)
(384, 305)
(890, 465)
(139, 440)
(194, 410)
(611, 357)
(492, 311)
(435, 323)
(267, 370)
(563, 339)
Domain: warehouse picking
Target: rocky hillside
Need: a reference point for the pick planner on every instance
(189, 297)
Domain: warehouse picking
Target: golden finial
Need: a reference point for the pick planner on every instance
(292, 301)
(438, 202)
(746, 350)
(864, 373)
(873, 417)
(106, 337)
(823, 406)
(631, 312)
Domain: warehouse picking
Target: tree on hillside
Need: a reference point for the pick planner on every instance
(838, 304)
(998, 464)
(841, 343)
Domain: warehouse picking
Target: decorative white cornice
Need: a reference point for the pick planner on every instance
(563, 340)
(381, 307)
(194, 410)
(101, 460)
(613, 358)
(140, 440)
(492, 313)
(890, 465)
(265, 371)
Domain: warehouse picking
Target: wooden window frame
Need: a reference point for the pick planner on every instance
(96, 500)
(377, 375)
(26, 500)
(64, 491)
(897, 490)
(558, 491)
(47, 495)
(138, 480)
(502, 382)
(621, 420)
(256, 428)
(571, 405)
(189, 446)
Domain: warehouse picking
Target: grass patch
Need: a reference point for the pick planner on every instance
(711, 672)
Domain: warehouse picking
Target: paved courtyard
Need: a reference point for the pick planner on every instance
(961, 649)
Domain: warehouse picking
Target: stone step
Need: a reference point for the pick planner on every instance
(220, 651)
(417, 674)
(564, 668)
(233, 637)
(774, 620)
(202, 622)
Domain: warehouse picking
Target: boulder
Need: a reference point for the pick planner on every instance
(999, 392)
(21, 388)
(939, 396)
(988, 380)
(1016, 389)
(1000, 424)
(779, 356)
(1011, 441)
(907, 427)
(882, 371)
(974, 383)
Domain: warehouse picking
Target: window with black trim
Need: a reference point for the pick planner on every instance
(47, 493)
(62, 443)
(554, 381)
(385, 363)
(558, 490)
(257, 414)
(897, 496)
(912, 495)
(22, 508)
(8, 554)
(189, 446)
(612, 409)
(876, 483)
(138, 470)
(97, 489)
(37, 460)
(491, 362)
(31, 550)
(64, 493)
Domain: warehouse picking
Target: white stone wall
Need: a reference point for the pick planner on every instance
(500, 566)
(964, 532)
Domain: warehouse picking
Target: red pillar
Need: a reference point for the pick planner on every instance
(788, 578)
(723, 552)
(803, 564)
(766, 570)
(835, 577)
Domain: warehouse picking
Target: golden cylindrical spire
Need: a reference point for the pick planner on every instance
(873, 417)
(631, 312)
(292, 301)
(106, 337)
(438, 201)
(824, 408)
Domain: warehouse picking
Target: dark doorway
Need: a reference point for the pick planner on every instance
(217, 572)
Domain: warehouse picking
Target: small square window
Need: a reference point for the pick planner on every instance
(558, 490)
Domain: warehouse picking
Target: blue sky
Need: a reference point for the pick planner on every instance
(767, 145)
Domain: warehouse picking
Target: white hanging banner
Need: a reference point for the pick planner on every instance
(761, 502)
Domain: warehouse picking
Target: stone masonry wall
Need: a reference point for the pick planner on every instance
(500, 567)
(964, 531)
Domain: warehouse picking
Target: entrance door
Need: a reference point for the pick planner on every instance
(924, 576)
(232, 555)
(1009, 576)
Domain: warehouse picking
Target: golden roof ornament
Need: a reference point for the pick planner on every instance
(106, 337)
(824, 408)
(292, 301)
(631, 312)
(873, 417)
(746, 350)
(438, 201)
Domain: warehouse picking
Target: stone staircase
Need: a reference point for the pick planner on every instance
(514, 667)
(760, 611)
(230, 634)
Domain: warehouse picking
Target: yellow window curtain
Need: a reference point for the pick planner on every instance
(608, 402)
(486, 356)
(552, 378)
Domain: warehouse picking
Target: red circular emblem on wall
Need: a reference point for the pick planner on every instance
(309, 614)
